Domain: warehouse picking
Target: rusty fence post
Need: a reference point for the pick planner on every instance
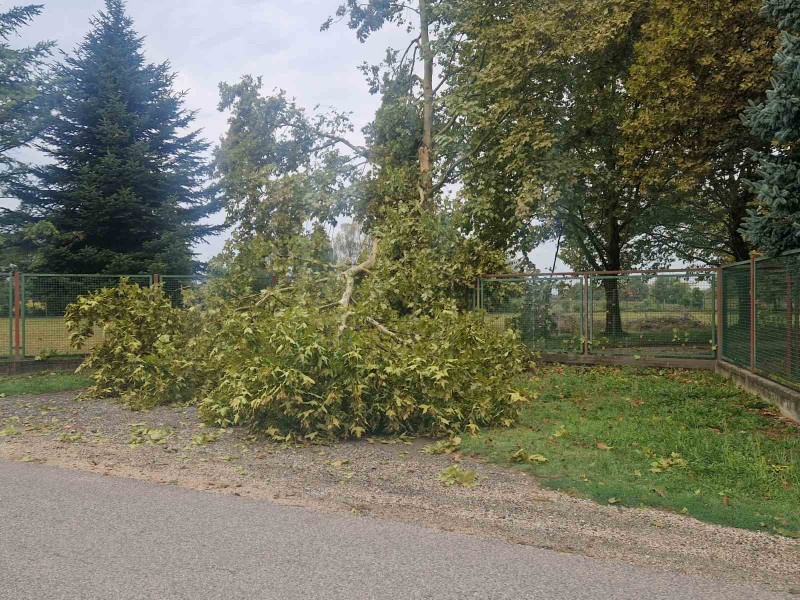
(720, 306)
(156, 279)
(17, 316)
(753, 314)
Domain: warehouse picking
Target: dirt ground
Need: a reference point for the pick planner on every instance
(387, 479)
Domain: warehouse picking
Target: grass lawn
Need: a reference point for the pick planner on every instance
(41, 383)
(688, 442)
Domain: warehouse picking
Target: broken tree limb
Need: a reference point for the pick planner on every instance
(350, 284)
(383, 329)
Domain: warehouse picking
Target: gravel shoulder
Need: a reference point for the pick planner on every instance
(384, 479)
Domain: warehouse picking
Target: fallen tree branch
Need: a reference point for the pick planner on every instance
(383, 329)
(350, 285)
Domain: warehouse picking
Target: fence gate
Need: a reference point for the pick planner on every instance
(661, 315)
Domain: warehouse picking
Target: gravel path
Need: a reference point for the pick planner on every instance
(392, 481)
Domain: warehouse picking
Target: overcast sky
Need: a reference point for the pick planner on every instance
(209, 41)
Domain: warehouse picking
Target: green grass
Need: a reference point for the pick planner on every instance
(41, 383)
(742, 463)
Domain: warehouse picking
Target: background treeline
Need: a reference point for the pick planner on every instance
(630, 132)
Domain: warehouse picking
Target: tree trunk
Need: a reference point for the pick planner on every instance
(740, 248)
(425, 160)
(611, 286)
(613, 309)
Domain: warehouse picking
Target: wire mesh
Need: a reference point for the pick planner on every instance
(661, 315)
(7, 313)
(736, 314)
(174, 285)
(44, 300)
(777, 339)
(547, 311)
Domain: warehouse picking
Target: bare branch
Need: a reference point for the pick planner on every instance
(350, 279)
(384, 329)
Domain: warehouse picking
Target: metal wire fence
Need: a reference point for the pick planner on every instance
(776, 344)
(43, 302)
(664, 314)
(546, 310)
(7, 313)
(756, 317)
(735, 317)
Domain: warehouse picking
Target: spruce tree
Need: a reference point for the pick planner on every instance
(126, 190)
(22, 82)
(23, 111)
(774, 225)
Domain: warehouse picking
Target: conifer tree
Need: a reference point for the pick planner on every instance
(23, 108)
(774, 225)
(126, 190)
(22, 81)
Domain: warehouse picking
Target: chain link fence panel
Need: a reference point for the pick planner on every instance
(7, 313)
(660, 315)
(736, 314)
(44, 300)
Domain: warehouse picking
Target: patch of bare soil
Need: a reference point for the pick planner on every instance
(387, 479)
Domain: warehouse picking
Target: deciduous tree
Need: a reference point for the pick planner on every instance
(698, 65)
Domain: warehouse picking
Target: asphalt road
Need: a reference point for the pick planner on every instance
(73, 535)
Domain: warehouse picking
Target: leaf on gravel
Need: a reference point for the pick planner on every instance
(9, 431)
(455, 475)
(614, 500)
(443, 446)
(201, 439)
